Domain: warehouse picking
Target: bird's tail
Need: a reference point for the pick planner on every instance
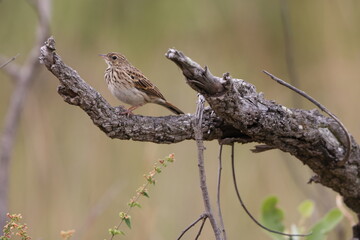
(170, 107)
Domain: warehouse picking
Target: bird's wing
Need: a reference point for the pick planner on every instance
(142, 83)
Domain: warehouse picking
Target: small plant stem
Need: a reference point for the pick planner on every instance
(129, 209)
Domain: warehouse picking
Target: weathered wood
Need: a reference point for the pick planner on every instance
(237, 112)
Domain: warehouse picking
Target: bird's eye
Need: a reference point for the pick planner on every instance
(114, 57)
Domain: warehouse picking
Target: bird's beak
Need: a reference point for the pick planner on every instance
(102, 55)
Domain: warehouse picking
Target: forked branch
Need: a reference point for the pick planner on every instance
(318, 141)
(237, 113)
(202, 217)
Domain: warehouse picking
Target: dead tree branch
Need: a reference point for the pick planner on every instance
(201, 164)
(220, 217)
(168, 129)
(316, 140)
(24, 77)
(238, 113)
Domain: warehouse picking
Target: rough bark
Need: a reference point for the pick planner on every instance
(237, 113)
(168, 129)
(314, 139)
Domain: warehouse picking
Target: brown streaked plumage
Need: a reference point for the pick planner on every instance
(130, 86)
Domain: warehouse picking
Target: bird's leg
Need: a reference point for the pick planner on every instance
(129, 111)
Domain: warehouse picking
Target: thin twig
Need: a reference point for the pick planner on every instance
(218, 194)
(245, 208)
(201, 228)
(13, 70)
(202, 217)
(200, 146)
(9, 61)
(323, 108)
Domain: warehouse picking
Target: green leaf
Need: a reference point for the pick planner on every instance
(150, 179)
(272, 217)
(128, 221)
(134, 204)
(306, 208)
(157, 169)
(325, 225)
(145, 194)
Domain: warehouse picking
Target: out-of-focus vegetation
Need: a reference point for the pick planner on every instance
(273, 217)
(64, 169)
(14, 228)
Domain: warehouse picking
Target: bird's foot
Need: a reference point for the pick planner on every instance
(127, 113)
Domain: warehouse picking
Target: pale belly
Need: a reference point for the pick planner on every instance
(131, 96)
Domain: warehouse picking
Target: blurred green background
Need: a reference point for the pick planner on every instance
(66, 174)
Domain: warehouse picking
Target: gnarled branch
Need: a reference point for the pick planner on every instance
(238, 113)
(168, 129)
(316, 140)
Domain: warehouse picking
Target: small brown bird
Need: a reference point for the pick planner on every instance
(130, 86)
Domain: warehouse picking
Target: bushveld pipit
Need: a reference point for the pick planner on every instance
(130, 86)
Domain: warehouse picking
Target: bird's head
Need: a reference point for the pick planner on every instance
(114, 59)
